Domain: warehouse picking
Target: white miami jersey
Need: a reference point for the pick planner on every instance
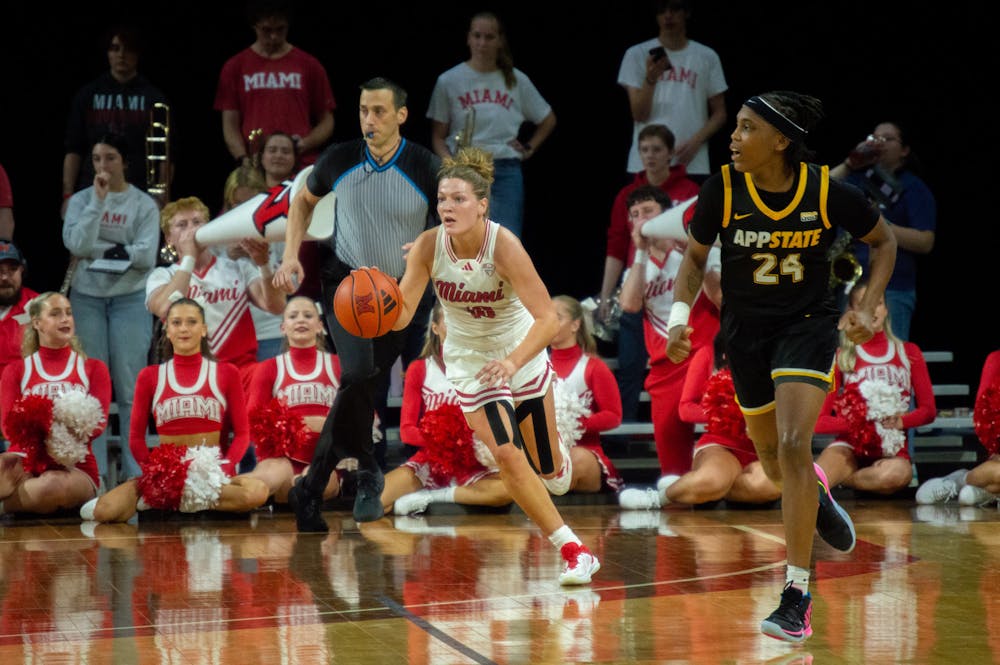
(199, 407)
(577, 382)
(221, 289)
(480, 308)
(36, 381)
(309, 393)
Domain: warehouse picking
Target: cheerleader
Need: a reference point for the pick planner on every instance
(290, 396)
(870, 412)
(52, 405)
(980, 485)
(724, 463)
(196, 402)
(587, 399)
(438, 472)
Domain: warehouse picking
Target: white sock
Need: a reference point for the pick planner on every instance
(442, 495)
(563, 535)
(141, 504)
(799, 577)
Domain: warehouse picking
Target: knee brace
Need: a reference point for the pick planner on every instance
(534, 408)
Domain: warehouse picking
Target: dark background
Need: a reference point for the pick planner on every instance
(868, 61)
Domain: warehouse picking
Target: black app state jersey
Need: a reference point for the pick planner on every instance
(774, 262)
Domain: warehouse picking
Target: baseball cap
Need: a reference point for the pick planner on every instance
(10, 252)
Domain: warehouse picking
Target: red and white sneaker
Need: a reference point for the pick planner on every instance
(581, 564)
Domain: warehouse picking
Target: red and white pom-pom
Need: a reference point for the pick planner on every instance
(986, 419)
(184, 479)
(719, 402)
(483, 454)
(27, 426)
(570, 412)
(276, 431)
(448, 448)
(76, 417)
(885, 400)
(204, 481)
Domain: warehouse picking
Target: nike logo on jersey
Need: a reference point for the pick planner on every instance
(739, 216)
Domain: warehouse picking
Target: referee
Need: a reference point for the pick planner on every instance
(386, 193)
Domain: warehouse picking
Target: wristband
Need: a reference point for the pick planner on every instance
(187, 265)
(679, 314)
(641, 256)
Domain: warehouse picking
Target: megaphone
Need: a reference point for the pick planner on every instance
(669, 224)
(266, 216)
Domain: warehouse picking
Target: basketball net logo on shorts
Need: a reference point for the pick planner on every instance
(273, 208)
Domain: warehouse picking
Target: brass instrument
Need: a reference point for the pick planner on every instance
(845, 269)
(158, 153)
(606, 329)
(464, 138)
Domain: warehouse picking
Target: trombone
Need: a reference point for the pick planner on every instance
(464, 138)
(158, 153)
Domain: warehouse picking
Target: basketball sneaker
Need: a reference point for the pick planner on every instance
(792, 621)
(940, 490)
(308, 509)
(87, 510)
(368, 500)
(833, 523)
(633, 498)
(581, 564)
(412, 503)
(975, 496)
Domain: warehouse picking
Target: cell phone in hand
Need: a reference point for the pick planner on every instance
(659, 53)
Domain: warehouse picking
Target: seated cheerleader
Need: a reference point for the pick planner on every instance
(449, 467)
(52, 406)
(587, 399)
(870, 412)
(196, 402)
(724, 464)
(290, 396)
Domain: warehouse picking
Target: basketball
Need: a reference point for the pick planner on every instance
(367, 303)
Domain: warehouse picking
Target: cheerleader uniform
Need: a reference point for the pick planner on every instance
(193, 401)
(593, 381)
(306, 380)
(427, 388)
(900, 365)
(53, 372)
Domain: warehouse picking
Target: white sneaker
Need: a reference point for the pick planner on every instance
(975, 496)
(87, 528)
(937, 514)
(419, 525)
(87, 510)
(559, 485)
(936, 490)
(581, 564)
(413, 503)
(639, 499)
(663, 484)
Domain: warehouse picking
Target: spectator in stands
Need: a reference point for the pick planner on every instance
(112, 235)
(6, 207)
(120, 101)
(274, 86)
(981, 484)
(678, 82)
(224, 286)
(37, 476)
(725, 464)
(434, 474)
(193, 444)
(298, 385)
(587, 399)
(648, 287)
(656, 147)
(870, 412)
(886, 168)
(484, 102)
(14, 297)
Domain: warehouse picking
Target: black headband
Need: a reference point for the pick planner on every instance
(776, 118)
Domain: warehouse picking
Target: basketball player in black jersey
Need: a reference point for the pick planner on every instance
(776, 216)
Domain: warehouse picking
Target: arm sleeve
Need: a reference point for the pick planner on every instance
(142, 405)
(10, 388)
(262, 385)
(607, 399)
(698, 372)
(146, 242)
(413, 404)
(83, 224)
(922, 390)
(100, 386)
(990, 375)
(236, 412)
(618, 234)
(829, 422)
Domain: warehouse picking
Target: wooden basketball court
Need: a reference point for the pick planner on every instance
(677, 586)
